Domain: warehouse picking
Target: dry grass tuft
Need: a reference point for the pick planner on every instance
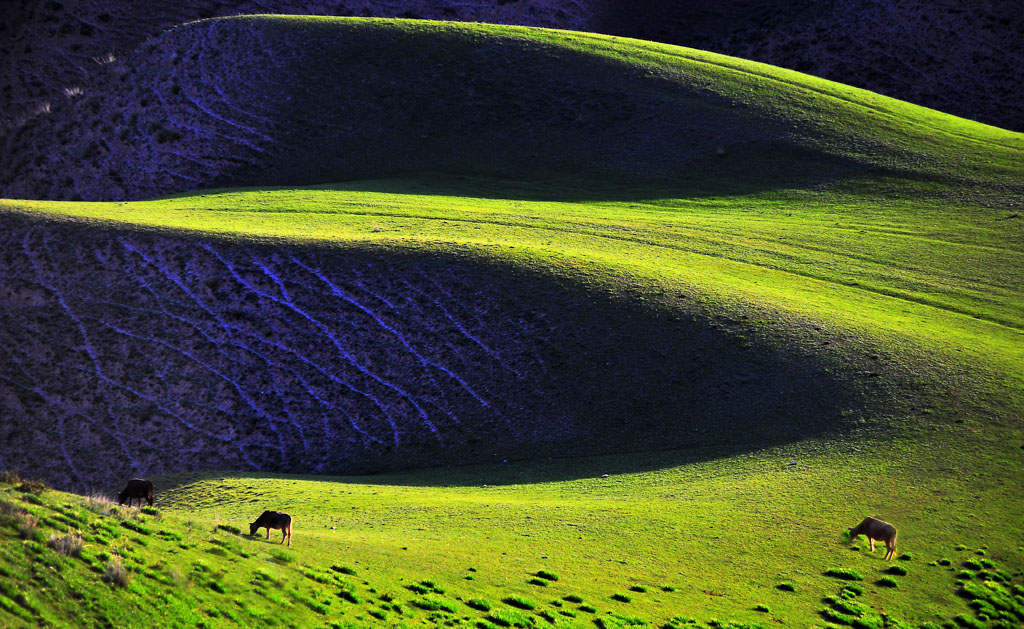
(27, 523)
(117, 574)
(67, 545)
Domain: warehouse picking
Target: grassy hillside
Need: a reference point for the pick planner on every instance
(819, 322)
(272, 100)
(707, 540)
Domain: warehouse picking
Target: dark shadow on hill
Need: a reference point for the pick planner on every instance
(128, 352)
(288, 101)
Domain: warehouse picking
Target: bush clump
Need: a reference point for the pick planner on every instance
(520, 602)
(67, 545)
(116, 573)
(546, 574)
(786, 586)
(435, 603)
(844, 574)
(899, 571)
(480, 604)
(35, 487)
(510, 618)
(622, 598)
(887, 582)
(344, 570)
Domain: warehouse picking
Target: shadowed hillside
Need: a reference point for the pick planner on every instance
(962, 59)
(174, 354)
(285, 101)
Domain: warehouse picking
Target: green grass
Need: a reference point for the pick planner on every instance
(924, 273)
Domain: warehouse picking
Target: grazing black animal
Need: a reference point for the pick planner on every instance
(274, 520)
(875, 529)
(136, 488)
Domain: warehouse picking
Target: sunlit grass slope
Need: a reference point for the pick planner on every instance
(906, 256)
(751, 540)
(287, 100)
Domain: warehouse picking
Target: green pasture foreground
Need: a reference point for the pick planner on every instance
(746, 541)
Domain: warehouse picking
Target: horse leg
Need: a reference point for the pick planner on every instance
(871, 541)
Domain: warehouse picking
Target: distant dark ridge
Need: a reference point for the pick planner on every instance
(290, 101)
(962, 58)
(125, 353)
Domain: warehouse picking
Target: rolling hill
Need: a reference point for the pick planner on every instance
(771, 303)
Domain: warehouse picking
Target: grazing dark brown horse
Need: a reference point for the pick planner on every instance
(136, 488)
(274, 520)
(873, 528)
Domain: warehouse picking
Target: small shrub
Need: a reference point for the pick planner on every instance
(851, 590)
(844, 574)
(762, 608)
(10, 509)
(217, 587)
(27, 523)
(67, 545)
(540, 582)
(835, 616)
(153, 511)
(547, 574)
(899, 571)
(846, 606)
(510, 618)
(945, 562)
(681, 622)
(227, 528)
(135, 526)
(786, 587)
(418, 589)
(970, 564)
(350, 596)
(905, 557)
(480, 604)
(590, 609)
(668, 588)
(638, 588)
(573, 598)
(116, 573)
(99, 504)
(520, 602)
(378, 614)
(984, 607)
(344, 570)
(281, 556)
(435, 603)
(960, 547)
(967, 622)
(965, 574)
(622, 598)
(887, 582)
(169, 535)
(36, 487)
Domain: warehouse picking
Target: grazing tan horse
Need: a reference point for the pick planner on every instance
(875, 529)
(274, 520)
